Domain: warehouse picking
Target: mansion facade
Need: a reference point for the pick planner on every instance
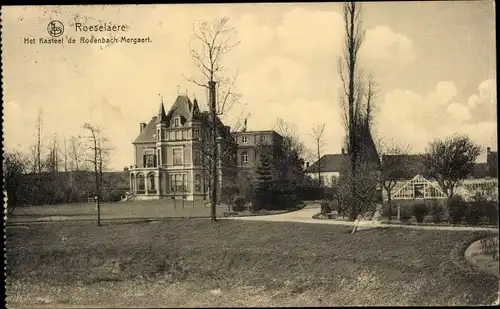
(172, 154)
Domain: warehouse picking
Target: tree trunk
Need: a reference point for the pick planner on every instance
(213, 109)
(97, 184)
(319, 168)
(389, 205)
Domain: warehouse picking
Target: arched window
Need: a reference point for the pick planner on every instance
(132, 182)
(141, 185)
(151, 181)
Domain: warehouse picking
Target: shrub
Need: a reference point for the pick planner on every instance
(473, 216)
(255, 206)
(334, 205)
(405, 212)
(457, 208)
(239, 204)
(385, 209)
(479, 210)
(420, 210)
(437, 212)
(325, 207)
(342, 209)
(489, 247)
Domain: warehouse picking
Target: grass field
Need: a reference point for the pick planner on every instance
(133, 209)
(237, 263)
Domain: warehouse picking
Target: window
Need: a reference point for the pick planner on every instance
(419, 190)
(262, 138)
(244, 157)
(178, 156)
(178, 135)
(196, 156)
(158, 156)
(177, 122)
(244, 139)
(149, 158)
(196, 133)
(151, 182)
(158, 135)
(140, 182)
(197, 182)
(178, 183)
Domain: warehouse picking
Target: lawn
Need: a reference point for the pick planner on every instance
(120, 210)
(237, 263)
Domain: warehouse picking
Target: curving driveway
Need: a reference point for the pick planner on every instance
(305, 216)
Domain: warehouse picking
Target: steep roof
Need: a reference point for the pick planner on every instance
(183, 107)
(161, 117)
(368, 146)
(481, 170)
(404, 166)
(410, 165)
(328, 163)
(147, 133)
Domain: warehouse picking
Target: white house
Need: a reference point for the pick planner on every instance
(327, 168)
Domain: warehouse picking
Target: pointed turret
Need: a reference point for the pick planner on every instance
(162, 116)
(191, 109)
(196, 108)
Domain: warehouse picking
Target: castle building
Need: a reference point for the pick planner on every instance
(252, 144)
(173, 154)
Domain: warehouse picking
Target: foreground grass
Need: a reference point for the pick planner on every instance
(133, 209)
(232, 263)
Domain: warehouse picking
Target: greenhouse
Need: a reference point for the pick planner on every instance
(418, 188)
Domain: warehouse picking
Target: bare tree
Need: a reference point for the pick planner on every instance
(291, 142)
(65, 155)
(75, 153)
(215, 40)
(38, 146)
(356, 100)
(450, 161)
(96, 159)
(318, 136)
(394, 165)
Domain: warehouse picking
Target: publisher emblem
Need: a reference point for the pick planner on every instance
(55, 28)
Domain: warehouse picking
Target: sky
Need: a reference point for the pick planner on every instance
(434, 64)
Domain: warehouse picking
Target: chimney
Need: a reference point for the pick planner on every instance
(143, 125)
(343, 151)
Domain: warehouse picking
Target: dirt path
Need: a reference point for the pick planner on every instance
(305, 216)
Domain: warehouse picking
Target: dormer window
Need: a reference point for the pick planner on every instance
(177, 122)
(244, 139)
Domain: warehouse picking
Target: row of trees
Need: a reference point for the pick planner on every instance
(58, 173)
